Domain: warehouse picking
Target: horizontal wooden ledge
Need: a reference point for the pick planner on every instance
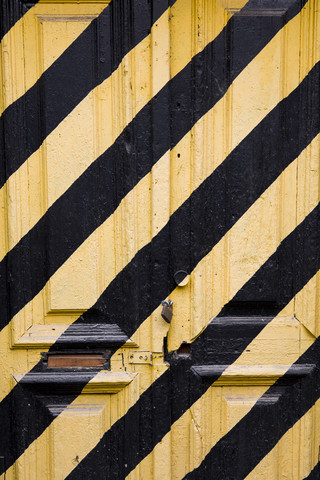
(99, 335)
(247, 375)
(102, 382)
(233, 320)
(265, 8)
(75, 2)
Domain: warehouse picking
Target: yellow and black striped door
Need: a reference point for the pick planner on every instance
(155, 150)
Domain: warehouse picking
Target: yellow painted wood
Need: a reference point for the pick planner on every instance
(23, 42)
(280, 344)
(266, 358)
(184, 448)
(45, 335)
(84, 422)
(74, 272)
(214, 137)
(238, 255)
(70, 285)
(73, 145)
(98, 412)
(256, 249)
(103, 382)
(271, 76)
(307, 307)
(300, 442)
(78, 284)
(85, 133)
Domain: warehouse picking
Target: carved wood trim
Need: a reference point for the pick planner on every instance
(248, 375)
(69, 382)
(43, 336)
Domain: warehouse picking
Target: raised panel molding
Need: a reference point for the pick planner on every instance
(250, 242)
(264, 9)
(68, 382)
(249, 375)
(43, 336)
(75, 2)
(69, 292)
(53, 454)
(307, 302)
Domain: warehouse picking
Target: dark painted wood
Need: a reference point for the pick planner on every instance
(219, 345)
(314, 474)
(86, 63)
(90, 336)
(103, 185)
(211, 220)
(251, 439)
(56, 383)
(11, 11)
(190, 234)
(209, 373)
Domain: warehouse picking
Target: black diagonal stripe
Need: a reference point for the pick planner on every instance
(131, 297)
(315, 474)
(131, 290)
(98, 192)
(254, 436)
(10, 14)
(150, 419)
(212, 209)
(86, 63)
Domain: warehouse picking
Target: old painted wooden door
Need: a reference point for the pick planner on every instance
(156, 149)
